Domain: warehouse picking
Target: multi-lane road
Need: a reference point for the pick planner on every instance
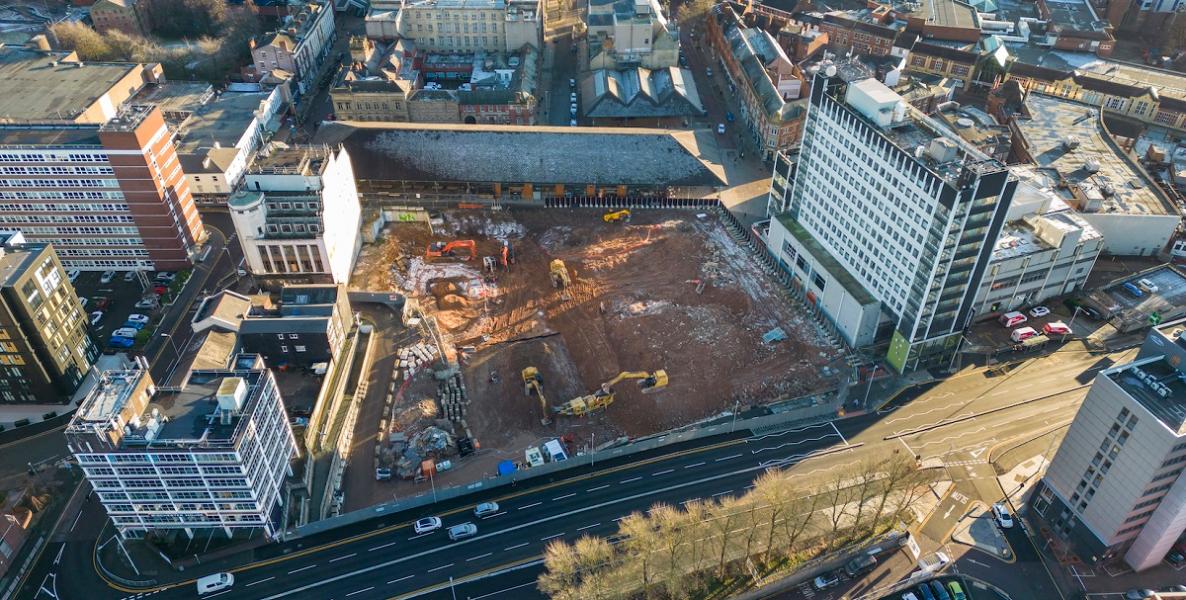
(954, 426)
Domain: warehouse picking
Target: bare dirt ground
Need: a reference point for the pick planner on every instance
(632, 306)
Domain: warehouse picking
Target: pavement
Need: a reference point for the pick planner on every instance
(953, 426)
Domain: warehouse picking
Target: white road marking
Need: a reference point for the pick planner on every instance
(795, 443)
(515, 546)
(694, 465)
(219, 593)
(730, 457)
(301, 569)
(440, 567)
(664, 472)
(781, 433)
(551, 537)
(632, 479)
(588, 527)
(400, 579)
(563, 497)
(260, 581)
(343, 557)
(600, 487)
(722, 493)
(521, 585)
(387, 545)
(479, 557)
(616, 519)
(530, 505)
(497, 514)
(360, 591)
(908, 449)
(420, 535)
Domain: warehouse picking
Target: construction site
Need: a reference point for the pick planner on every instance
(530, 335)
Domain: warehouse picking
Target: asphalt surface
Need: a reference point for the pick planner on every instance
(954, 425)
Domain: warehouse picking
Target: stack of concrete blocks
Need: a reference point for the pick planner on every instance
(453, 399)
(412, 358)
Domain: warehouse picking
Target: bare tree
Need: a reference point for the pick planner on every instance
(640, 544)
(595, 557)
(671, 527)
(838, 495)
(88, 43)
(722, 519)
(560, 569)
(774, 490)
(801, 512)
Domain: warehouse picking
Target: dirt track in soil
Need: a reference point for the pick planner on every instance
(633, 305)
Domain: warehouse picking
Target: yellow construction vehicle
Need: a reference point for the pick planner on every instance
(532, 382)
(559, 273)
(603, 397)
(617, 216)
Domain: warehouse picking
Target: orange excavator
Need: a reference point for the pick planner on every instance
(442, 249)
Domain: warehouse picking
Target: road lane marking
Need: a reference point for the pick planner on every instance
(694, 465)
(730, 457)
(479, 557)
(664, 472)
(833, 424)
(689, 501)
(521, 585)
(795, 443)
(497, 514)
(360, 591)
(616, 519)
(260, 581)
(563, 497)
(722, 493)
(631, 480)
(387, 545)
(343, 557)
(515, 546)
(420, 535)
(908, 448)
(301, 569)
(400, 579)
(588, 527)
(440, 567)
(551, 537)
(600, 487)
(530, 505)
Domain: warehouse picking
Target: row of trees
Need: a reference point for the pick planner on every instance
(678, 553)
(189, 18)
(208, 58)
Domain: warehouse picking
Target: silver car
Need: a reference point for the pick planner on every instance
(462, 531)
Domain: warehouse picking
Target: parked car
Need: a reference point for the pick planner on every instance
(73, 274)
(720, 129)
(708, 71)
(427, 524)
(957, 591)
(100, 302)
(729, 117)
(927, 594)
(1147, 286)
(133, 325)
(1039, 311)
(909, 596)
(107, 276)
(1138, 594)
(940, 591)
(572, 97)
(1133, 289)
(465, 87)
(462, 531)
(1175, 558)
(118, 341)
(572, 109)
(1056, 328)
(129, 275)
(1012, 319)
(572, 83)
(1022, 334)
(1000, 513)
(147, 303)
(129, 332)
(215, 583)
(382, 474)
(485, 509)
(96, 316)
(166, 276)
(138, 318)
(160, 289)
(860, 564)
(826, 581)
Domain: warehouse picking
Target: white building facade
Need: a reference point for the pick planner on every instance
(298, 214)
(459, 25)
(211, 456)
(885, 200)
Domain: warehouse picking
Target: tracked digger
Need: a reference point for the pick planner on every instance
(533, 383)
(604, 396)
(442, 249)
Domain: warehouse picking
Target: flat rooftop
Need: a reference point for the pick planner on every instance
(454, 4)
(1074, 14)
(292, 160)
(223, 121)
(1171, 292)
(175, 97)
(191, 414)
(947, 13)
(829, 262)
(14, 260)
(1136, 75)
(1157, 386)
(540, 155)
(39, 87)
(1120, 186)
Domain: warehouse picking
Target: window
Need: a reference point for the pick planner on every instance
(293, 336)
(818, 281)
(300, 348)
(283, 348)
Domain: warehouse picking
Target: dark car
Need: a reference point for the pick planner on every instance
(940, 591)
(1175, 558)
(729, 117)
(1138, 594)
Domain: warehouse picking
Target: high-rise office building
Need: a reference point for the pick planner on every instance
(887, 220)
(213, 455)
(45, 351)
(1115, 486)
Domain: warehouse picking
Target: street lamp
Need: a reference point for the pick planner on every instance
(869, 387)
(736, 407)
(172, 343)
(592, 447)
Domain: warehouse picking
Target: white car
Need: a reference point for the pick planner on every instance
(572, 109)
(96, 317)
(708, 71)
(166, 277)
(572, 83)
(572, 97)
(73, 274)
(462, 531)
(427, 524)
(107, 276)
(145, 303)
(826, 581)
(1001, 513)
(128, 332)
(138, 318)
(1039, 312)
(572, 122)
(215, 583)
(129, 276)
(485, 509)
(720, 128)
(465, 87)
(432, 86)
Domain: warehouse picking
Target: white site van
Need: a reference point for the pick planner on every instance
(215, 583)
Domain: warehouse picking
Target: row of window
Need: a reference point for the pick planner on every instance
(66, 219)
(62, 207)
(45, 195)
(62, 183)
(57, 170)
(69, 252)
(54, 157)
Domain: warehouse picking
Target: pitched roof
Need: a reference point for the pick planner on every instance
(641, 93)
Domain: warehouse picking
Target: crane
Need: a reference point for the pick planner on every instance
(439, 249)
(533, 382)
(605, 395)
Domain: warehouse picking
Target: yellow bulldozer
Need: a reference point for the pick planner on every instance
(604, 396)
(559, 273)
(533, 383)
(617, 216)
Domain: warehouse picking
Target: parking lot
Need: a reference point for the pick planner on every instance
(110, 302)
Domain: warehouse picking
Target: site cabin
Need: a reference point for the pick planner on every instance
(1012, 319)
(554, 452)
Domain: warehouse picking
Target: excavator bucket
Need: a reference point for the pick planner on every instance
(657, 381)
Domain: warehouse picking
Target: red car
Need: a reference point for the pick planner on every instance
(160, 289)
(1056, 328)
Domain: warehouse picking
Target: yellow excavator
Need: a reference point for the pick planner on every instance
(534, 383)
(617, 216)
(603, 397)
(559, 273)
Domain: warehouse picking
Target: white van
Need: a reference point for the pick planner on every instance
(215, 583)
(1022, 333)
(1012, 319)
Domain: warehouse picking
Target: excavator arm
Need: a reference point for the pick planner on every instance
(647, 381)
(534, 383)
